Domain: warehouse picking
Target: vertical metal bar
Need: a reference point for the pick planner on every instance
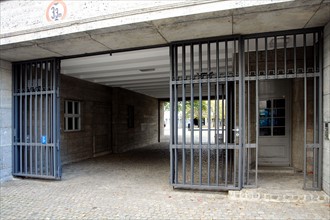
(183, 113)
(200, 114)
(46, 116)
(35, 119)
(257, 113)
(14, 119)
(25, 120)
(320, 110)
(30, 114)
(21, 119)
(192, 125)
(234, 124)
(171, 113)
(208, 114)
(40, 117)
(217, 113)
(275, 54)
(58, 115)
(285, 71)
(305, 115)
(176, 115)
(53, 69)
(295, 54)
(248, 117)
(227, 127)
(241, 110)
(48, 86)
(315, 173)
(266, 57)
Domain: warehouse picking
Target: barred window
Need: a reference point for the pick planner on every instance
(72, 117)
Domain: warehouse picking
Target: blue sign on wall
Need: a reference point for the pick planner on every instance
(43, 139)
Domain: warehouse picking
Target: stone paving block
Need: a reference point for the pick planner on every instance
(134, 185)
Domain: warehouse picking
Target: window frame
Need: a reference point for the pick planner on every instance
(74, 115)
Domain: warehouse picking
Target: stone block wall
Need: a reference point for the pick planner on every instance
(95, 101)
(5, 120)
(326, 109)
(144, 130)
(105, 125)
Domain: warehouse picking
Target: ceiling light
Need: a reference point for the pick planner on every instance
(147, 70)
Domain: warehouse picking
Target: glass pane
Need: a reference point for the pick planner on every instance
(265, 112)
(265, 122)
(70, 107)
(279, 103)
(278, 122)
(76, 107)
(279, 112)
(279, 131)
(265, 132)
(76, 124)
(70, 123)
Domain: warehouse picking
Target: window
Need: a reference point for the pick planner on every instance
(272, 117)
(72, 118)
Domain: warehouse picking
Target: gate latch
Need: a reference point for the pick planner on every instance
(237, 132)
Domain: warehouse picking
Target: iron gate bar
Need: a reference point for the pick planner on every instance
(320, 112)
(285, 71)
(200, 124)
(216, 120)
(266, 58)
(29, 159)
(257, 112)
(208, 113)
(241, 109)
(184, 113)
(192, 125)
(305, 112)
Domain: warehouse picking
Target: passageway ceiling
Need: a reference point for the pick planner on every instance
(147, 71)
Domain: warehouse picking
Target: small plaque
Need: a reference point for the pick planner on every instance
(43, 139)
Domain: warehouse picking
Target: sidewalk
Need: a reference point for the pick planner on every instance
(135, 185)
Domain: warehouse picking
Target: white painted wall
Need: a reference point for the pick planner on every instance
(326, 108)
(5, 120)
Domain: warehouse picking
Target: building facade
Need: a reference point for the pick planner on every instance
(81, 79)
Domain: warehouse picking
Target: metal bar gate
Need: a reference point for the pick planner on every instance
(206, 148)
(36, 119)
(216, 117)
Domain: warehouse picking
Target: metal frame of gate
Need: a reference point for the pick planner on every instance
(36, 119)
(201, 75)
(227, 72)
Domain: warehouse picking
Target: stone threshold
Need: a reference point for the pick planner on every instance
(280, 196)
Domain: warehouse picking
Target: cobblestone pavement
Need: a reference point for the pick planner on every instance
(134, 185)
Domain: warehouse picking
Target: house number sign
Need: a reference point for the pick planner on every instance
(56, 11)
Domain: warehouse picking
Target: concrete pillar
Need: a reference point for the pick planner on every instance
(326, 109)
(5, 120)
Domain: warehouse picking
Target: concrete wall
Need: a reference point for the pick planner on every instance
(145, 129)
(5, 120)
(326, 109)
(95, 135)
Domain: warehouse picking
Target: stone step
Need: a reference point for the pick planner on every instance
(280, 196)
(273, 169)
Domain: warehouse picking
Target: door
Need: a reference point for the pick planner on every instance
(36, 145)
(274, 122)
